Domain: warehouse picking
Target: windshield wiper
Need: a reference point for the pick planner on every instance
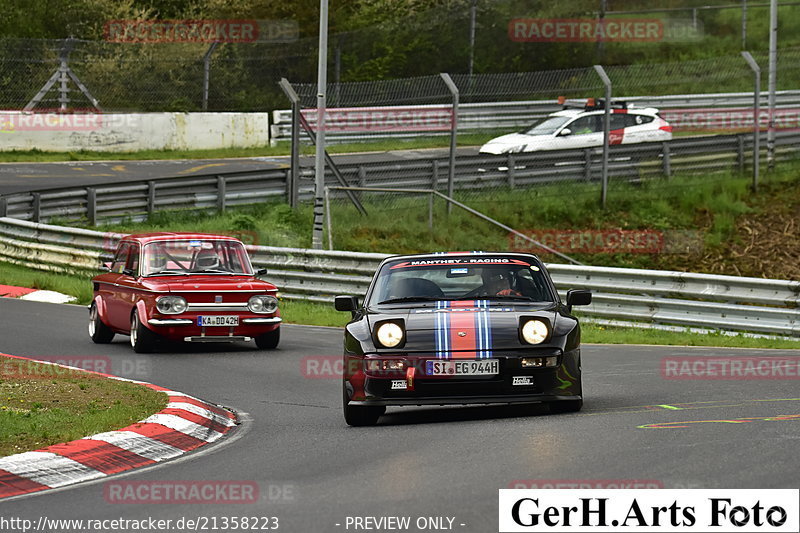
(410, 299)
(168, 273)
(212, 271)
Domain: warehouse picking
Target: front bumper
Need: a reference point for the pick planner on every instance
(185, 328)
(513, 383)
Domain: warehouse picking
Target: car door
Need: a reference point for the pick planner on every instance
(118, 302)
(129, 286)
(585, 132)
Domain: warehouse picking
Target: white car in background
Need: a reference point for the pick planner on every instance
(583, 128)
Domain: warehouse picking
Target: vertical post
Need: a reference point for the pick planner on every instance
(744, 24)
(512, 162)
(601, 45)
(773, 60)
(37, 207)
(3, 206)
(740, 153)
(473, 13)
(207, 73)
(151, 197)
(294, 180)
(91, 206)
(430, 212)
(337, 72)
(328, 218)
(453, 132)
(587, 164)
(322, 82)
(221, 194)
(606, 132)
(434, 174)
(756, 117)
(666, 162)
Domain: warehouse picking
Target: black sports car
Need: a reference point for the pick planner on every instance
(460, 328)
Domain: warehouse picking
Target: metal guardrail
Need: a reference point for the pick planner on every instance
(511, 116)
(137, 200)
(646, 296)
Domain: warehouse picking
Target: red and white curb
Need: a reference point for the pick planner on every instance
(35, 295)
(184, 425)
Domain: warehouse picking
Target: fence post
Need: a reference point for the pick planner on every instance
(207, 73)
(434, 174)
(221, 194)
(606, 132)
(151, 197)
(756, 116)
(294, 179)
(740, 152)
(666, 163)
(37, 207)
(3, 206)
(587, 164)
(91, 205)
(453, 132)
(511, 177)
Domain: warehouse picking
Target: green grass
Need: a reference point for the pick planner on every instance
(597, 334)
(41, 405)
(399, 223)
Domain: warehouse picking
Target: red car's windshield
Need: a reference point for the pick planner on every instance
(193, 256)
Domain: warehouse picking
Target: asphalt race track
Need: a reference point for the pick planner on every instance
(314, 471)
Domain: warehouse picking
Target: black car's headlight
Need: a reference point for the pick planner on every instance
(535, 331)
(171, 305)
(261, 303)
(389, 334)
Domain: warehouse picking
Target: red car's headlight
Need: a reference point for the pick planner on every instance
(171, 305)
(262, 304)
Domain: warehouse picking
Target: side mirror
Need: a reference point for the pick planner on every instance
(127, 271)
(261, 272)
(345, 303)
(565, 132)
(579, 297)
(105, 267)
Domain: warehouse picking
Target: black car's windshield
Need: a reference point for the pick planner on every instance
(546, 126)
(461, 278)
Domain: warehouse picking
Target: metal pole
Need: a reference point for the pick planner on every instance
(473, 13)
(756, 117)
(744, 24)
(319, 160)
(606, 132)
(601, 45)
(773, 60)
(207, 73)
(328, 218)
(451, 175)
(294, 171)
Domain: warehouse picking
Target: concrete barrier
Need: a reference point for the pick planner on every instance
(54, 132)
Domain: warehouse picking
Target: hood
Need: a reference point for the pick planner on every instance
(208, 283)
(470, 326)
(503, 144)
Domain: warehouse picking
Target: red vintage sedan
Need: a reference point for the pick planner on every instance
(183, 287)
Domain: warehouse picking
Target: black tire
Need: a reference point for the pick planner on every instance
(269, 340)
(142, 339)
(566, 406)
(360, 415)
(98, 332)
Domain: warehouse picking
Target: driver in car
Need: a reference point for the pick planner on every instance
(498, 284)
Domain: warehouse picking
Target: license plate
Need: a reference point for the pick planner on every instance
(218, 320)
(484, 367)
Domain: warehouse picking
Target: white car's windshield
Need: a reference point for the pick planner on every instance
(505, 278)
(546, 126)
(192, 256)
